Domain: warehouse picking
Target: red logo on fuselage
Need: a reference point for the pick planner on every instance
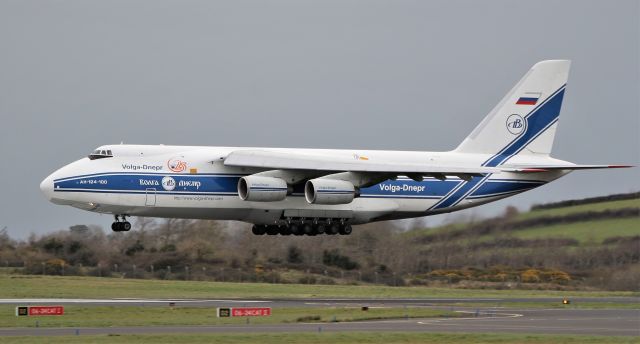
(176, 165)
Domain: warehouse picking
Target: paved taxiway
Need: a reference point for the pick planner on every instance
(489, 318)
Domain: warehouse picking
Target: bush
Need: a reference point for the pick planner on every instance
(309, 318)
(623, 279)
(135, 248)
(327, 281)
(556, 276)
(453, 278)
(334, 258)
(53, 246)
(294, 255)
(307, 280)
(417, 281)
(530, 276)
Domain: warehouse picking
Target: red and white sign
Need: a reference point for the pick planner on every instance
(250, 311)
(46, 310)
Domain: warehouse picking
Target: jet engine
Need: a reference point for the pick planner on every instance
(262, 189)
(329, 191)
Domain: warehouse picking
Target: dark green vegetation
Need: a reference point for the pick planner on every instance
(591, 244)
(335, 338)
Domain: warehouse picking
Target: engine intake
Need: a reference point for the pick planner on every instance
(262, 189)
(329, 191)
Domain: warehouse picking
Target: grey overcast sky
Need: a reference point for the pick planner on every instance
(395, 74)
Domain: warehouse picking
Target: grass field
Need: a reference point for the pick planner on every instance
(334, 338)
(590, 232)
(105, 316)
(616, 227)
(35, 286)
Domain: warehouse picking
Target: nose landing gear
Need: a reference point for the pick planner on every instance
(121, 225)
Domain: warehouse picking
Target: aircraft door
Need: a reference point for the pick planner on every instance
(150, 199)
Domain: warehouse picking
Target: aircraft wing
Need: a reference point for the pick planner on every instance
(547, 168)
(296, 161)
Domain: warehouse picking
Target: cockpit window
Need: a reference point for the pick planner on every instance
(100, 154)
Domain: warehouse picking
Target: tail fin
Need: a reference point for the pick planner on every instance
(525, 120)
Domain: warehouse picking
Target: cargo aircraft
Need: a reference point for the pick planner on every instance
(326, 191)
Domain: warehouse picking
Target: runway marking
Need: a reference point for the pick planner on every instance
(580, 329)
(400, 300)
(451, 322)
(486, 316)
(580, 319)
(579, 309)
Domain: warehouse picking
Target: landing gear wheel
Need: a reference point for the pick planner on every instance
(333, 229)
(258, 230)
(307, 228)
(295, 229)
(121, 225)
(345, 229)
(284, 230)
(320, 228)
(272, 230)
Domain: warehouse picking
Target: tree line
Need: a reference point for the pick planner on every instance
(478, 254)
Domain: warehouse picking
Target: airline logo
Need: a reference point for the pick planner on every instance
(177, 165)
(529, 98)
(133, 167)
(515, 124)
(168, 183)
(403, 187)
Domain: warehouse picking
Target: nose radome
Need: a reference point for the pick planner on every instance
(47, 187)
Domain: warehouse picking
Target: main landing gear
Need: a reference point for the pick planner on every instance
(121, 225)
(304, 228)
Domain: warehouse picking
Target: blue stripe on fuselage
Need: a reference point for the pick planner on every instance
(454, 198)
(197, 184)
(138, 182)
(491, 187)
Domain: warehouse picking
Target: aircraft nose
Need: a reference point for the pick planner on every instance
(47, 187)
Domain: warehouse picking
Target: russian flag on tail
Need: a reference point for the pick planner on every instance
(529, 98)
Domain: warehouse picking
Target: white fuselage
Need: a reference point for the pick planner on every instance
(193, 182)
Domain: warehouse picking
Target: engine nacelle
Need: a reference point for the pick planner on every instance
(262, 189)
(329, 191)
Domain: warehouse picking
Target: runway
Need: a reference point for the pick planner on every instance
(485, 319)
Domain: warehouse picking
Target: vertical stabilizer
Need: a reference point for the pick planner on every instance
(525, 120)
